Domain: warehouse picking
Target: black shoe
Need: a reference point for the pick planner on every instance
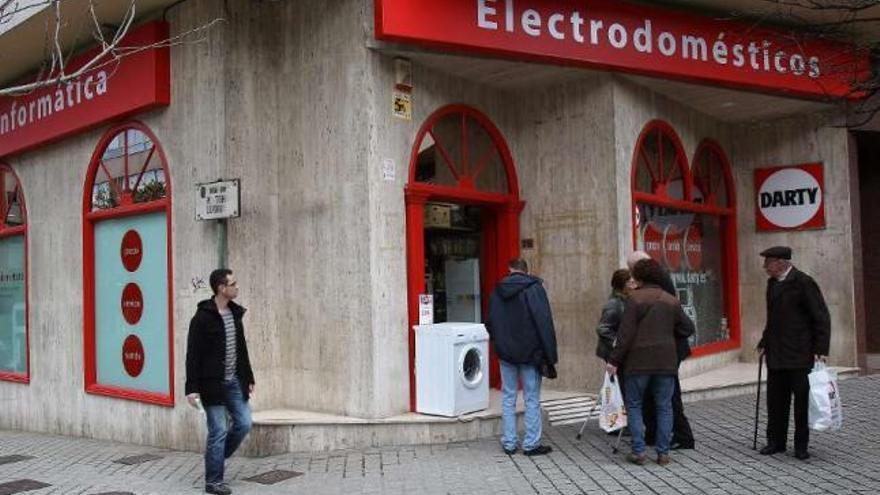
(802, 455)
(681, 446)
(771, 449)
(539, 450)
(510, 451)
(218, 489)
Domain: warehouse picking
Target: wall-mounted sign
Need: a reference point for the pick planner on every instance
(426, 309)
(134, 83)
(790, 198)
(615, 35)
(218, 200)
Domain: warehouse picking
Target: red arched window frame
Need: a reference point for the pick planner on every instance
(12, 205)
(500, 244)
(705, 189)
(123, 202)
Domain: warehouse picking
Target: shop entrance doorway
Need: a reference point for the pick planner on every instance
(462, 220)
(869, 182)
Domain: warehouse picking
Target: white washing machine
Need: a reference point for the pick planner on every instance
(452, 368)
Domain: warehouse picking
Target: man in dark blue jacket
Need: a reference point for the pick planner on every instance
(521, 326)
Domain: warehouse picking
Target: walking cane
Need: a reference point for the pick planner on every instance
(758, 400)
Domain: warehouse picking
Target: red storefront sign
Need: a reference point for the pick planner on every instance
(135, 83)
(790, 198)
(614, 35)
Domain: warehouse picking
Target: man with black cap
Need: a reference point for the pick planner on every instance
(797, 333)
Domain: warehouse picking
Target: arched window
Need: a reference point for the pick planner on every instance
(685, 219)
(14, 349)
(127, 264)
(462, 219)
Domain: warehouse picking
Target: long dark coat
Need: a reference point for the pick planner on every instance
(798, 323)
(206, 354)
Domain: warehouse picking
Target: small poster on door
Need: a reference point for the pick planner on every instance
(426, 309)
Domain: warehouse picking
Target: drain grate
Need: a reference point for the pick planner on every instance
(137, 459)
(9, 459)
(272, 477)
(19, 486)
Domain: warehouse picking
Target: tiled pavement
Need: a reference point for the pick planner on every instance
(843, 462)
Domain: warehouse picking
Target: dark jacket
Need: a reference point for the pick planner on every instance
(520, 322)
(609, 323)
(651, 322)
(798, 323)
(682, 346)
(206, 353)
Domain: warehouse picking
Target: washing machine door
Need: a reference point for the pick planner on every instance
(470, 366)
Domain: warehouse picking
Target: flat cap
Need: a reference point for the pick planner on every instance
(779, 252)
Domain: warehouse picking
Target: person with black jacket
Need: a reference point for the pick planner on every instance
(606, 330)
(219, 375)
(798, 333)
(521, 326)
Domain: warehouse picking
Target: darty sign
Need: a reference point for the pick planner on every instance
(135, 83)
(609, 34)
(790, 198)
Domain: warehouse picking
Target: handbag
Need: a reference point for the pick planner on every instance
(612, 413)
(547, 370)
(825, 412)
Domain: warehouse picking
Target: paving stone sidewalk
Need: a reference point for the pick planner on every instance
(843, 462)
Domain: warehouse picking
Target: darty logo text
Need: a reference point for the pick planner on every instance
(791, 197)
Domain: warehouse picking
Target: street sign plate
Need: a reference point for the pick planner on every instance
(218, 200)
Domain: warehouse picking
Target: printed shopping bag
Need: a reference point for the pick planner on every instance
(825, 412)
(612, 415)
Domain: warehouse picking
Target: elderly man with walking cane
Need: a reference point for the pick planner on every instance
(798, 333)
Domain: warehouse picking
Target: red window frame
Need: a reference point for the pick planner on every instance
(126, 207)
(501, 243)
(9, 231)
(659, 196)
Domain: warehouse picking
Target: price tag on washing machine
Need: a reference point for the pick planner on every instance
(426, 309)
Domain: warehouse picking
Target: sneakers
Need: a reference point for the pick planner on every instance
(539, 450)
(663, 459)
(639, 459)
(509, 451)
(218, 489)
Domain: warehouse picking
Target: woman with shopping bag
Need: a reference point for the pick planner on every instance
(646, 352)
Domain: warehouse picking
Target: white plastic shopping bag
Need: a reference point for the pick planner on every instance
(826, 411)
(612, 415)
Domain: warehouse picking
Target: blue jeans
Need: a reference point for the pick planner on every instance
(223, 439)
(531, 380)
(661, 388)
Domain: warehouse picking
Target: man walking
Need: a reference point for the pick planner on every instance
(219, 375)
(521, 326)
(798, 332)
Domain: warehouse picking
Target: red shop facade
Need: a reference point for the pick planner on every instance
(683, 203)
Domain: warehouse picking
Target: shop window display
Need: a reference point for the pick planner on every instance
(14, 363)
(127, 268)
(684, 218)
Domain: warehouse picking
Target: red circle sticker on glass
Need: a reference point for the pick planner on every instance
(693, 248)
(133, 355)
(132, 303)
(672, 248)
(132, 250)
(653, 240)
